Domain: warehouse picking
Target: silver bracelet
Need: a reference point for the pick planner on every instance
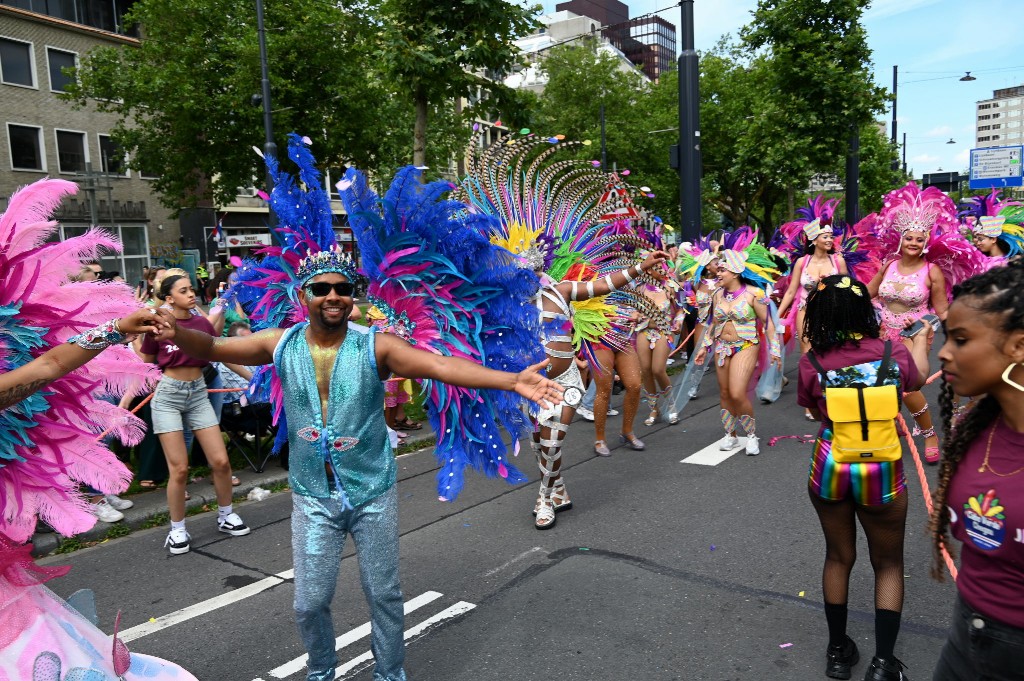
(101, 337)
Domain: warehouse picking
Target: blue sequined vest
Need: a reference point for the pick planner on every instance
(355, 441)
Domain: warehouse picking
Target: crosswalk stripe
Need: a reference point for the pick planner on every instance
(448, 613)
(712, 455)
(199, 609)
(349, 637)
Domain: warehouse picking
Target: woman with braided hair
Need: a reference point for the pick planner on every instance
(980, 495)
(841, 325)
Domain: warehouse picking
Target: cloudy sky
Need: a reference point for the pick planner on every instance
(934, 42)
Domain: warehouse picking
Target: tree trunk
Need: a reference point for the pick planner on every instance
(790, 203)
(419, 135)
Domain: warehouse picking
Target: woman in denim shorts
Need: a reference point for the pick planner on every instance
(181, 400)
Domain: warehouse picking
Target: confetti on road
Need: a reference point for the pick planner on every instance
(584, 548)
(712, 547)
(801, 594)
(785, 645)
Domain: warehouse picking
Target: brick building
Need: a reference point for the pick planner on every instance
(42, 135)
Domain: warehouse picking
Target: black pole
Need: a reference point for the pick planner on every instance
(895, 85)
(904, 153)
(604, 150)
(269, 148)
(689, 131)
(853, 178)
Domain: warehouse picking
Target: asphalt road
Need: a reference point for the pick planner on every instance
(662, 570)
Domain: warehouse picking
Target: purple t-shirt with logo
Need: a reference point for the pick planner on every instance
(168, 354)
(987, 515)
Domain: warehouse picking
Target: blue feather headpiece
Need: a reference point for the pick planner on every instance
(332, 260)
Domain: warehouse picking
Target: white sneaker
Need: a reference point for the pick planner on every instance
(669, 362)
(106, 513)
(730, 442)
(178, 542)
(693, 393)
(753, 449)
(585, 413)
(119, 503)
(613, 412)
(233, 525)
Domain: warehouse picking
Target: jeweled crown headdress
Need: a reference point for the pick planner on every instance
(333, 260)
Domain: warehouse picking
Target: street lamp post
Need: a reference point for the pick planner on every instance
(895, 85)
(269, 148)
(689, 131)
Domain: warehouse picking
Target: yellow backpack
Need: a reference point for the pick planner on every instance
(863, 417)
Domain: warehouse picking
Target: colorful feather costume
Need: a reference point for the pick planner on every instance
(1006, 228)
(49, 442)
(440, 284)
(910, 208)
(572, 212)
(791, 240)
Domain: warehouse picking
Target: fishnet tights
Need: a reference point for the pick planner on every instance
(884, 526)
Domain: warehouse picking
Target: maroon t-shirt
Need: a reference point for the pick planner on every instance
(168, 354)
(987, 515)
(860, 362)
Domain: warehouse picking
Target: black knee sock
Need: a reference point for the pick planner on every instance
(887, 628)
(835, 616)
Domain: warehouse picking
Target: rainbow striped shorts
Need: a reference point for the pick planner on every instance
(868, 484)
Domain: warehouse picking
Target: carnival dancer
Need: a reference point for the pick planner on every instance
(608, 360)
(917, 238)
(996, 228)
(733, 340)
(553, 218)
(49, 421)
(980, 494)
(443, 288)
(653, 345)
(697, 266)
(846, 349)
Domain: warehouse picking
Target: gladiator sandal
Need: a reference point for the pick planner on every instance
(652, 403)
(552, 495)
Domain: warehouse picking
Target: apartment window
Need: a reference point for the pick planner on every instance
(997, 126)
(26, 146)
(984, 106)
(135, 248)
(111, 157)
(995, 115)
(984, 117)
(71, 151)
(16, 62)
(1013, 102)
(1015, 112)
(995, 137)
(984, 127)
(58, 61)
(1013, 124)
(1013, 135)
(983, 139)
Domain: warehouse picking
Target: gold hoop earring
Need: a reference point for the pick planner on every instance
(1009, 381)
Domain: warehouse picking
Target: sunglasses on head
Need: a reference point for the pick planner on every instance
(321, 288)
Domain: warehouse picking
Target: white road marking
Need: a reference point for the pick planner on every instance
(199, 609)
(522, 555)
(448, 613)
(298, 664)
(712, 455)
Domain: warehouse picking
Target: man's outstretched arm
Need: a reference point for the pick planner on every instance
(251, 350)
(396, 356)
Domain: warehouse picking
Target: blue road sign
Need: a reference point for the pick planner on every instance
(996, 167)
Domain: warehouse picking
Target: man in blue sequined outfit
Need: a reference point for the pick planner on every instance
(342, 470)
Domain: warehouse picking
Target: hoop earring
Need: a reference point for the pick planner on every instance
(1009, 381)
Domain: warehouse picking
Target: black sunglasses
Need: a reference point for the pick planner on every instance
(321, 288)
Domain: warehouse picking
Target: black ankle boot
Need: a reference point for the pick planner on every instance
(839, 659)
(889, 669)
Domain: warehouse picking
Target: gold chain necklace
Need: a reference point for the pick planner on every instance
(988, 450)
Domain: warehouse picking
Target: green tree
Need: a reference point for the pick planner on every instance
(184, 95)
(820, 81)
(438, 53)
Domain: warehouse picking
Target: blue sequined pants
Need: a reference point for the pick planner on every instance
(319, 528)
